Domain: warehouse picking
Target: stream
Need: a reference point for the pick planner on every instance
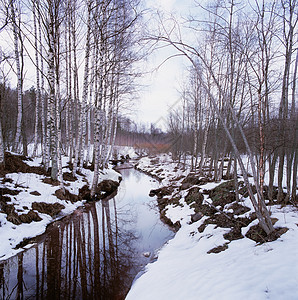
(95, 253)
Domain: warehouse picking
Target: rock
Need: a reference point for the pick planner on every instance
(147, 254)
(154, 192)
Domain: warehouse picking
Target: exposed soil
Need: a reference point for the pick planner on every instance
(15, 218)
(191, 180)
(69, 177)
(239, 209)
(257, 234)
(51, 209)
(194, 195)
(8, 191)
(85, 193)
(35, 193)
(106, 188)
(219, 249)
(15, 163)
(161, 192)
(50, 181)
(223, 194)
(66, 195)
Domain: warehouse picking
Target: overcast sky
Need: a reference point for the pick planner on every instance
(162, 85)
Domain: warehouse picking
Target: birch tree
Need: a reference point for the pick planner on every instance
(19, 70)
(38, 93)
(83, 119)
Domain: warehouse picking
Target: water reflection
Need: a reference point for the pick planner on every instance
(93, 254)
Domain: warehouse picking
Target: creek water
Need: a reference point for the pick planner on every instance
(95, 253)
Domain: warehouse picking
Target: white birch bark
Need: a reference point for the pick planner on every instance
(37, 81)
(204, 144)
(59, 139)
(67, 106)
(98, 116)
(44, 115)
(16, 32)
(78, 139)
(85, 88)
(52, 102)
(113, 138)
(70, 99)
(96, 151)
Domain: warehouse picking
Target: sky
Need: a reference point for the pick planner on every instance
(161, 85)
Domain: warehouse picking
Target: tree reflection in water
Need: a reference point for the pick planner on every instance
(78, 259)
(93, 254)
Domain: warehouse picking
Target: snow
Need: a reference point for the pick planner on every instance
(245, 270)
(179, 213)
(11, 234)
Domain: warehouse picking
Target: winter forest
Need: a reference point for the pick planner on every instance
(70, 75)
(71, 102)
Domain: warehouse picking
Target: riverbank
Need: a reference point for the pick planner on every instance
(219, 250)
(94, 253)
(30, 200)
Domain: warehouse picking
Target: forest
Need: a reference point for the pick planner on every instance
(82, 59)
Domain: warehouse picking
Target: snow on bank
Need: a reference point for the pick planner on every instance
(162, 167)
(246, 270)
(28, 183)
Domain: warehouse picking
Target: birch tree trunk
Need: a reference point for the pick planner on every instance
(85, 88)
(44, 118)
(52, 98)
(204, 144)
(98, 116)
(16, 34)
(37, 81)
(96, 151)
(79, 112)
(59, 136)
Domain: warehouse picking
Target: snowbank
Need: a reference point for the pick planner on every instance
(244, 270)
(32, 189)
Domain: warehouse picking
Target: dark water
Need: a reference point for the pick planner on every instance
(93, 254)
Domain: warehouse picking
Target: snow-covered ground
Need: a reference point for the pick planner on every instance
(26, 183)
(245, 270)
